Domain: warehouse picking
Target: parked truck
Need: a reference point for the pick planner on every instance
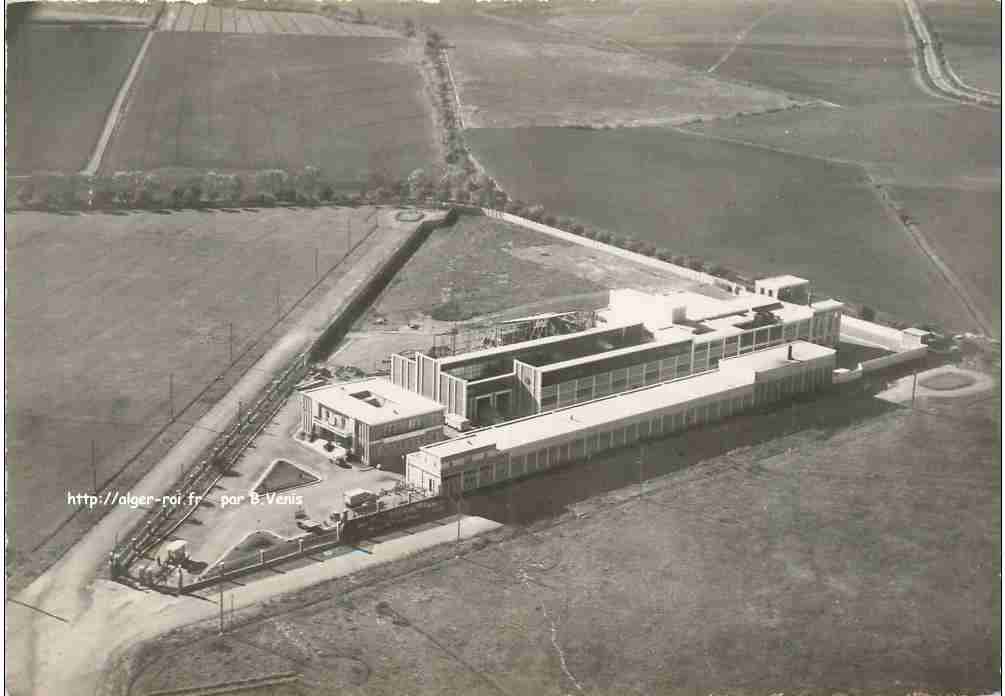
(356, 497)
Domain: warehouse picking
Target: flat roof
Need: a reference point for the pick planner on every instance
(665, 339)
(373, 400)
(731, 374)
(536, 343)
(827, 304)
(782, 281)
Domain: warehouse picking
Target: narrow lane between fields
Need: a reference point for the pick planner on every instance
(112, 120)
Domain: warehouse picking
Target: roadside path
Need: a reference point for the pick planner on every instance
(68, 589)
(76, 656)
(934, 68)
(742, 36)
(112, 120)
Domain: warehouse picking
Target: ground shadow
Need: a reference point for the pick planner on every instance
(551, 493)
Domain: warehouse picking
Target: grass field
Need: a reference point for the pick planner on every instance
(840, 52)
(184, 17)
(81, 67)
(965, 225)
(971, 35)
(238, 102)
(753, 209)
(96, 12)
(511, 73)
(845, 545)
(111, 315)
(472, 269)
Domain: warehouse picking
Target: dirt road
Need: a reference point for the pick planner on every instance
(112, 120)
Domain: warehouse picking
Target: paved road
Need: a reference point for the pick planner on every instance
(43, 652)
(937, 71)
(76, 655)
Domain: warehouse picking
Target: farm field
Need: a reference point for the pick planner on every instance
(113, 317)
(96, 12)
(513, 74)
(846, 52)
(351, 107)
(750, 208)
(971, 35)
(965, 226)
(82, 67)
(185, 17)
(852, 543)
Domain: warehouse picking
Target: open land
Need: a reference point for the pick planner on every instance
(511, 74)
(161, 293)
(82, 67)
(481, 271)
(971, 36)
(96, 12)
(351, 106)
(746, 207)
(185, 17)
(837, 52)
(857, 56)
(844, 543)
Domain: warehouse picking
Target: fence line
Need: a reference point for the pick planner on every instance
(224, 452)
(689, 273)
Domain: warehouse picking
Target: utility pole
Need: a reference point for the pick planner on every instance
(460, 497)
(642, 456)
(94, 468)
(914, 388)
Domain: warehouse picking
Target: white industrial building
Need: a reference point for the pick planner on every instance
(732, 384)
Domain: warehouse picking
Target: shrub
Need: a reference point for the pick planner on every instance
(868, 313)
(664, 254)
(604, 237)
(589, 232)
(647, 248)
(578, 229)
(550, 220)
(696, 264)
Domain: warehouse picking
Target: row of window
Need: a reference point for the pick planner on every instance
(626, 435)
(614, 382)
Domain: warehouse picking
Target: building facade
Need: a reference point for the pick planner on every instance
(642, 339)
(529, 445)
(375, 421)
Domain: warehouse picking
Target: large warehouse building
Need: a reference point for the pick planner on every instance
(640, 339)
(538, 442)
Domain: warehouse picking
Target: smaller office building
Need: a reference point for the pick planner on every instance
(539, 442)
(374, 420)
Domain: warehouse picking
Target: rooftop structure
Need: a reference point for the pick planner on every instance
(373, 401)
(641, 339)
